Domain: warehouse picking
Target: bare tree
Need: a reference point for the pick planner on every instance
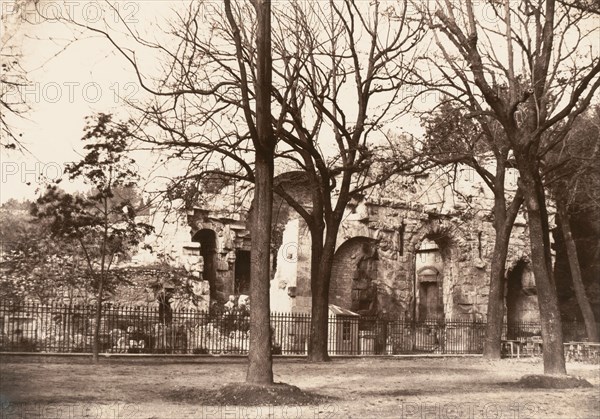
(341, 76)
(573, 178)
(260, 366)
(212, 102)
(454, 136)
(13, 77)
(543, 76)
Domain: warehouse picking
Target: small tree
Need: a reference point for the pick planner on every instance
(101, 222)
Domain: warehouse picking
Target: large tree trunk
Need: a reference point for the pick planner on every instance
(539, 236)
(320, 305)
(495, 314)
(317, 347)
(504, 221)
(317, 350)
(260, 367)
(260, 362)
(582, 300)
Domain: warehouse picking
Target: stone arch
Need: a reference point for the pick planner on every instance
(354, 275)
(444, 233)
(225, 239)
(520, 295)
(208, 250)
(453, 248)
(295, 184)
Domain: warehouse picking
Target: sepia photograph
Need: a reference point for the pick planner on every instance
(300, 209)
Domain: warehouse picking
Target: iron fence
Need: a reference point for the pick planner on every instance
(31, 327)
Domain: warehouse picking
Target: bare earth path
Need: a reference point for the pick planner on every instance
(359, 388)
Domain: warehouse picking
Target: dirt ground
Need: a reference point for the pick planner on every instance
(350, 388)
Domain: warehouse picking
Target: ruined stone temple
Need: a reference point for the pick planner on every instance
(418, 247)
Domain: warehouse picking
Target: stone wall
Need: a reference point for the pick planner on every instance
(379, 245)
(375, 266)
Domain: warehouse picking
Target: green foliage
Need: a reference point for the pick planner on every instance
(34, 264)
(101, 222)
(106, 165)
(452, 136)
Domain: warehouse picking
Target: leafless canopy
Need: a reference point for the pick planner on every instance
(339, 70)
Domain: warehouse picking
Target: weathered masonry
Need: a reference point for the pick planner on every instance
(419, 250)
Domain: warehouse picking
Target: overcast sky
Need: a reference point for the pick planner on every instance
(73, 75)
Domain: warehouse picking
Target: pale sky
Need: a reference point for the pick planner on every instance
(71, 76)
(69, 80)
(73, 79)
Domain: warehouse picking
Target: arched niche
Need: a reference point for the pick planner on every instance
(429, 293)
(521, 297)
(432, 267)
(242, 272)
(354, 276)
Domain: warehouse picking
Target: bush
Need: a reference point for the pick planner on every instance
(276, 349)
(23, 345)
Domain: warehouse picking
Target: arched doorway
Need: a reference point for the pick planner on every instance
(429, 294)
(429, 284)
(208, 250)
(521, 299)
(242, 272)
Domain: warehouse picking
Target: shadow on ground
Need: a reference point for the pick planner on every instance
(241, 394)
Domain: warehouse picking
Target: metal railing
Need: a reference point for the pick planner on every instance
(55, 328)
